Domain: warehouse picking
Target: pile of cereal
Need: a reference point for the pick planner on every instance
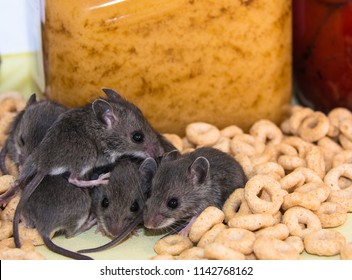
(10, 104)
(299, 190)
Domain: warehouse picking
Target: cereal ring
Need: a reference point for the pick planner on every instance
(331, 178)
(346, 252)
(238, 239)
(18, 254)
(315, 161)
(314, 127)
(263, 182)
(324, 242)
(320, 190)
(247, 144)
(270, 248)
(329, 144)
(279, 231)
(172, 245)
(299, 144)
(266, 132)
(194, 253)
(296, 242)
(11, 101)
(331, 214)
(291, 162)
(210, 235)
(346, 128)
(297, 119)
(5, 182)
(202, 134)
(251, 257)
(343, 197)
(343, 157)
(9, 212)
(285, 149)
(306, 200)
(175, 140)
(205, 221)
(231, 131)
(223, 144)
(246, 164)
(5, 229)
(298, 177)
(30, 234)
(233, 203)
(345, 142)
(336, 116)
(163, 257)
(186, 144)
(285, 126)
(216, 251)
(294, 217)
(252, 222)
(272, 169)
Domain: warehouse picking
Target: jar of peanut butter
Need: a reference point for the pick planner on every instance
(218, 61)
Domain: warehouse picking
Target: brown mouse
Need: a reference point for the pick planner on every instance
(184, 185)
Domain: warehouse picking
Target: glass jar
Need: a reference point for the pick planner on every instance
(322, 38)
(218, 61)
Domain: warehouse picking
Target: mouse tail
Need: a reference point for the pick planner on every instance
(26, 193)
(64, 252)
(116, 240)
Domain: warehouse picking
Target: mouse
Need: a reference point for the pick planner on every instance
(85, 138)
(118, 206)
(28, 129)
(57, 207)
(183, 185)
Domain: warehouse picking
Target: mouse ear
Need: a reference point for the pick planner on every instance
(112, 95)
(32, 99)
(148, 168)
(104, 112)
(199, 170)
(170, 156)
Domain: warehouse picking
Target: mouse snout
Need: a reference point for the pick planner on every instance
(154, 222)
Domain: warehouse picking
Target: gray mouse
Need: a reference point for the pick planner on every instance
(56, 206)
(27, 130)
(119, 205)
(85, 138)
(184, 185)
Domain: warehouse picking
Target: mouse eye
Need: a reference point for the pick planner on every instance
(172, 203)
(134, 207)
(137, 137)
(105, 202)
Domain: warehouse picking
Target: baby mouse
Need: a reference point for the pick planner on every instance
(56, 206)
(184, 185)
(118, 206)
(85, 138)
(28, 129)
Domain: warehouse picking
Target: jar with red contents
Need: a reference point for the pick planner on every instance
(322, 37)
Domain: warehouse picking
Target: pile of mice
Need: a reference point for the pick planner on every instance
(280, 189)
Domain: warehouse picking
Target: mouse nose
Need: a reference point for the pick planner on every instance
(154, 222)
